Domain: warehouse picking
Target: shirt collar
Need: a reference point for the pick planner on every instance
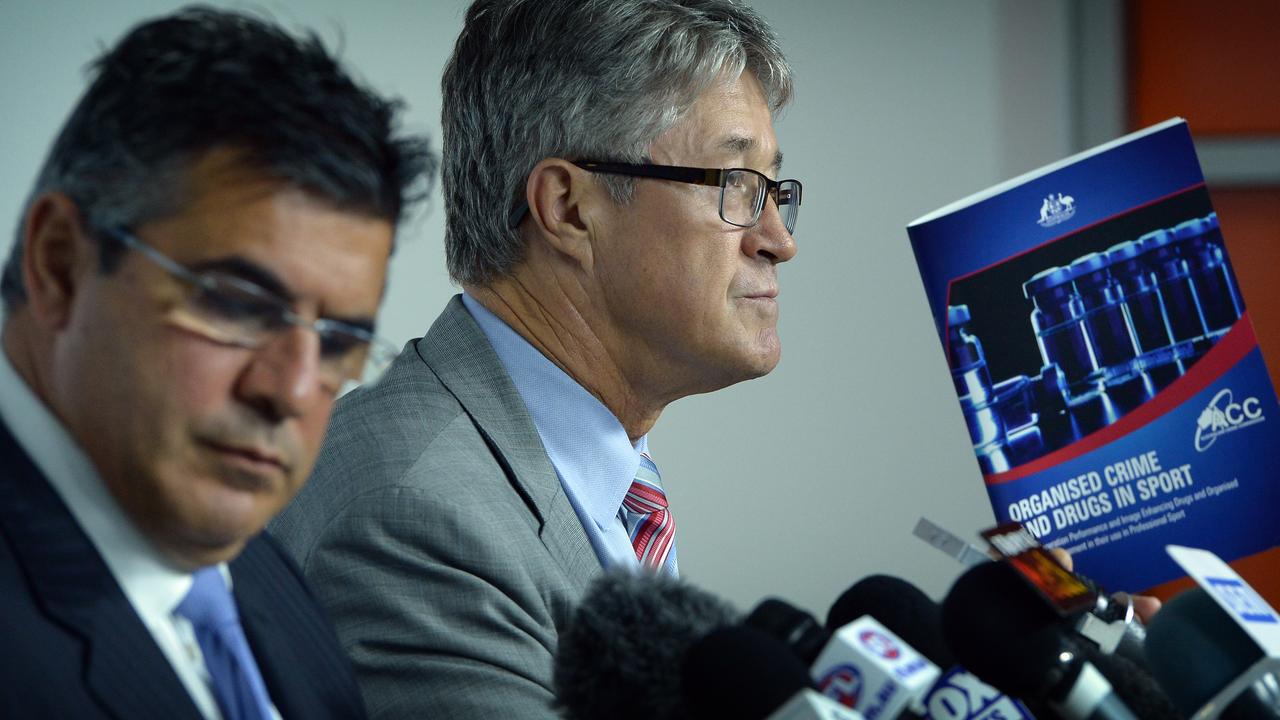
(153, 585)
(586, 444)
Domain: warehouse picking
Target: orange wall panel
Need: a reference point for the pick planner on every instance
(1251, 230)
(1217, 64)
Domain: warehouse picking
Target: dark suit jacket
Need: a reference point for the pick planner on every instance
(71, 645)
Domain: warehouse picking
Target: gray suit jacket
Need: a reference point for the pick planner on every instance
(436, 532)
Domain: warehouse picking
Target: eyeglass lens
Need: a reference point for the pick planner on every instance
(224, 310)
(743, 196)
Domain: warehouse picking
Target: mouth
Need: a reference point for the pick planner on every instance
(766, 294)
(253, 464)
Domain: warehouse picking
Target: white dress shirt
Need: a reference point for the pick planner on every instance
(153, 586)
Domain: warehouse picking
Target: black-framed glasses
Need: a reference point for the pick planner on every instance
(234, 311)
(742, 190)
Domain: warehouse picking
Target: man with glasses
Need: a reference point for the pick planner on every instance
(615, 221)
(194, 279)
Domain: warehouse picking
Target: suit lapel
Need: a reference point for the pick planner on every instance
(124, 668)
(270, 621)
(268, 638)
(459, 353)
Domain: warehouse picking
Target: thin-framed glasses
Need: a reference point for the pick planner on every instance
(742, 190)
(234, 311)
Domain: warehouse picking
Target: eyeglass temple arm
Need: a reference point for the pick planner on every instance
(696, 176)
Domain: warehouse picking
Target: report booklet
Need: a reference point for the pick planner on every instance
(1103, 359)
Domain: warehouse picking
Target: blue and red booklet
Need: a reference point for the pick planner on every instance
(1104, 361)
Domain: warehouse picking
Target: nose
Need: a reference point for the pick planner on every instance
(284, 380)
(769, 238)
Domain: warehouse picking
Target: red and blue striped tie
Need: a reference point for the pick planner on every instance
(648, 520)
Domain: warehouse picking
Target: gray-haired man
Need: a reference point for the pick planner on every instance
(615, 224)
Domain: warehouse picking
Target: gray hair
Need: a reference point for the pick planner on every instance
(532, 79)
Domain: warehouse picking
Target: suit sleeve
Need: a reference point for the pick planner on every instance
(438, 603)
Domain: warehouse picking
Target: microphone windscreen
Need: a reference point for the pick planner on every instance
(621, 655)
(794, 627)
(1004, 633)
(902, 608)
(740, 672)
(1194, 649)
(1133, 685)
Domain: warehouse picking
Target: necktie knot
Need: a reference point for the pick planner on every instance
(644, 511)
(233, 674)
(209, 604)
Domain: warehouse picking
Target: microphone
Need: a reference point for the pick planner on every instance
(741, 672)
(622, 653)
(797, 629)
(1195, 650)
(914, 617)
(1000, 629)
(862, 664)
(901, 607)
(1109, 622)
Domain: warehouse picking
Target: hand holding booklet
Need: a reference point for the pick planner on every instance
(1103, 360)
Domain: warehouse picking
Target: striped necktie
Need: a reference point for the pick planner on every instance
(648, 521)
(237, 684)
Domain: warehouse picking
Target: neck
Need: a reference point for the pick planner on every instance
(21, 350)
(556, 318)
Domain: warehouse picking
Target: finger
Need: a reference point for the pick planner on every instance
(1146, 606)
(1063, 557)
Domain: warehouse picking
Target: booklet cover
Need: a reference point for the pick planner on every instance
(1103, 359)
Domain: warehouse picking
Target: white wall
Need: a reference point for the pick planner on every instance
(799, 483)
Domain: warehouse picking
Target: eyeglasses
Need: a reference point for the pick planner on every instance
(232, 310)
(742, 190)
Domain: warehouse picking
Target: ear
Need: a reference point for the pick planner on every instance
(563, 208)
(55, 255)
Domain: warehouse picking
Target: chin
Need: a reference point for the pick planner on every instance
(768, 351)
(222, 521)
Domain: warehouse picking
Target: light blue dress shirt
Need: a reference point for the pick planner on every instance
(588, 447)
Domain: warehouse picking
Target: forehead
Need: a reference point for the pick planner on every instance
(312, 249)
(728, 125)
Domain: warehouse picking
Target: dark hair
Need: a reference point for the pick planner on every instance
(203, 79)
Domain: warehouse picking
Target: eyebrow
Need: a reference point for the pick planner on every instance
(249, 271)
(741, 145)
(245, 269)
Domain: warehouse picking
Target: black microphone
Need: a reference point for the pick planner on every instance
(1195, 650)
(622, 653)
(913, 616)
(863, 669)
(795, 628)
(1000, 629)
(899, 606)
(740, 672)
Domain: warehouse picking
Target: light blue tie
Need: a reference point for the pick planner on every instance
(237, 684)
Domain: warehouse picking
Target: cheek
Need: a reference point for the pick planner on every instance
(199, 377)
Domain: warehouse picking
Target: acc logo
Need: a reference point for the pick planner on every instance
(1224, 415)
(1056, 209)
(879, 644)
(843, 683)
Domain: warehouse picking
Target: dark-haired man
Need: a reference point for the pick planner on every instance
(616, 220)
(177, 328)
